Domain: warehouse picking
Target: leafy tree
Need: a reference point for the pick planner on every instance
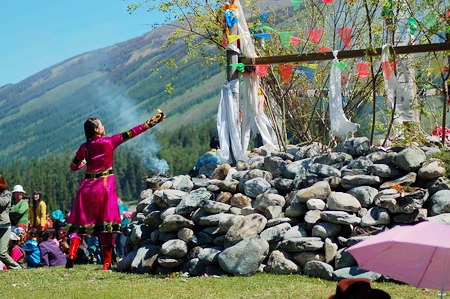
(304, 113)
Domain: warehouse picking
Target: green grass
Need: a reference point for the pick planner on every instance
(88, 281)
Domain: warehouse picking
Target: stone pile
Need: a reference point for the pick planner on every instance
(285, 212)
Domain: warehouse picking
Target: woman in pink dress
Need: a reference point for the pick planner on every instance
(95, 210)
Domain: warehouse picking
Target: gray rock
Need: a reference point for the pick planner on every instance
(192, 201)
(256, 186)
(441, 183)
(340, 201)
(351, 181)
(185, 233)
(315, 204)
(273, 212)
(364, 194)
(296, 209)
(283, 185)
(245, 227)
(319, 190)
(357, 146)
(431, 169)
(174, 248)
(275, 233)
(311, 218)
(331, 249)
(409, 159)
(145, 260)
(263, 201)
(416, 216)
(174, 223)
(318, 269)
(355, 272)
(333, 158)
(376, 216)
(360, 163)
(401, 201)
(439, 203)
(343, 259)
(340, 217)
(182, 182)
(210, 255)
(384, 171)
(301, 244)
(249, 252)
(296, 231)
(168, 197)
(406, 180)
(170, 262)
(292, 169)
(274, 165)
(301, 258)
(213, 207)
(326, 230)
(324, 170)
(280, 263)
(194, 267)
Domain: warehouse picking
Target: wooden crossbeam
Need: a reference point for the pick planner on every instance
(421, 48)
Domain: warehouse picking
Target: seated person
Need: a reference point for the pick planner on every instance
(15, 251)
(51, 254)
(32, 250)
(209, 161)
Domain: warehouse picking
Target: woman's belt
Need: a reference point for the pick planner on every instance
(94, 175)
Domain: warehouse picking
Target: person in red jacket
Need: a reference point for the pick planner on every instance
(95, 210)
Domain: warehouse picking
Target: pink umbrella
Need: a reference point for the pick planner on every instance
(416, 254)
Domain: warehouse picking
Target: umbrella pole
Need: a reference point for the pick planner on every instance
(444, 276)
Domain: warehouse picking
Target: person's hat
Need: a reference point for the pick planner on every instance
(18, 188)
(14, 237)
(358, 288)
(19, 230)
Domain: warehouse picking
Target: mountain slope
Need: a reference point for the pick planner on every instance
(45, 112)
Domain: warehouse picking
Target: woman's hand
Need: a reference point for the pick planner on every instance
(156, 119)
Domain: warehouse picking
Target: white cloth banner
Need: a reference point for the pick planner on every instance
(340, 126)
(228, 124)
(401, 93)
(253, 116)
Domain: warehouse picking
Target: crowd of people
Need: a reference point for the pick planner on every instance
(36, 239)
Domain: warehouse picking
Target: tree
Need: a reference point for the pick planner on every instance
(300, 99)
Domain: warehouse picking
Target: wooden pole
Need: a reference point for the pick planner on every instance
(423, 48)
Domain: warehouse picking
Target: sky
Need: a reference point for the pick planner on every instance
(36, 34)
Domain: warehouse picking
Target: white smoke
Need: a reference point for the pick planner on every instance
(120, 114)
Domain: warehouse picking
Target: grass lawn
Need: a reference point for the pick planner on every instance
(88, 281)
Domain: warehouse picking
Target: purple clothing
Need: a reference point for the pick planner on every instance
(51, 254)
(95, 208)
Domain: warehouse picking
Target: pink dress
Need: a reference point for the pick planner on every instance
(95, 208)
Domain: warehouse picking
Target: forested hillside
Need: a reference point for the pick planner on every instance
(44, 114)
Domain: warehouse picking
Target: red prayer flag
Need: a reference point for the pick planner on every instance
(363, 69)
(315, 35)
(295, 40)
(388, 68)
(346, 35)
(261, 69)
(286, 71)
